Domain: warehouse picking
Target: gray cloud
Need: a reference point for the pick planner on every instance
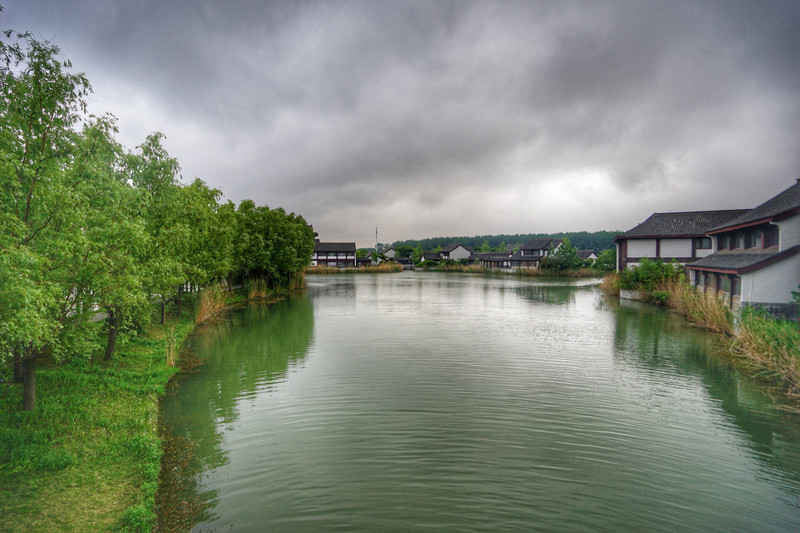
(434, 118)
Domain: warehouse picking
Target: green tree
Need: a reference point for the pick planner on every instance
(416, 255)
(41, 103)
(563, 258)
(606, 261)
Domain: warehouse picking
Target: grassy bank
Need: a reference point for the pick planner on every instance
(87, 458)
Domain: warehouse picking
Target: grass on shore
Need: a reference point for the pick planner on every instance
(88, 457)
(385, 267)
(764, 346)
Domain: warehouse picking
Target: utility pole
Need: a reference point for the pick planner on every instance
(376, 240)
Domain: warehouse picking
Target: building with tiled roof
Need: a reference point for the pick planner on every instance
(455, 251)
(530, 253)
(671, 236)
(756, 259)
(338, 254)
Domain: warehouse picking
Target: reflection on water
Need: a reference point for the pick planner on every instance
(470, 403)
(249, 352)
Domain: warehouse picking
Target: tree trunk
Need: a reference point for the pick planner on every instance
(18, 372)
(163, 310)
(113, 330)
(29, 382)
(180, 293)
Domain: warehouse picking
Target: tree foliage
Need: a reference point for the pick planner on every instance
(562, 259)
(582, 240)
(88, 227)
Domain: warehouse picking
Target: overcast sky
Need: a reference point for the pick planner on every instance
(429, 118)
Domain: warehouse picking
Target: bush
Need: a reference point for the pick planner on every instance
(649, 275)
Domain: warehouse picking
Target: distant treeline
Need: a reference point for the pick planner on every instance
(582, 240)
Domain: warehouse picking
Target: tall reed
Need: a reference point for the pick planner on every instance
(171, 348)
(771, 347)
(610, 284)
(257, 288)
(704, 309)
(209, 302)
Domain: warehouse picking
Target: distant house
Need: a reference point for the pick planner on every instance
(583, 255)
(492, 259)
(455, 251)
(407, 262)
(389, 253)
(337, 254)
(668, 236)
(530, 253)
(756, 259)
(430, 256)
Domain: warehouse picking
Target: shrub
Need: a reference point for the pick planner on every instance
(648, 275)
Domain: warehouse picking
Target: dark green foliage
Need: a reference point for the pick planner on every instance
(564, 258)
(606, 261)
(582, 240)
(404, 251)
(649, 275)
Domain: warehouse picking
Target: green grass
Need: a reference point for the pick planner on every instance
(88, 457)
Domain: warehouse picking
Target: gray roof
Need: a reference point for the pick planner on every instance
(335, 247)
(785, 203)
(431, 256)
(453, 246)
(742, 262)
(685, 224)
(584, 254)
(540, 244)
(490, 256)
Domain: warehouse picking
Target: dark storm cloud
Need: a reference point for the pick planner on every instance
(433, 118)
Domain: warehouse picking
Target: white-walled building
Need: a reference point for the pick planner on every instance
(338, 254)
(455, 251)
(756, 259)
(671, 236)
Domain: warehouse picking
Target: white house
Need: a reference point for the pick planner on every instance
(756, 259)
(530, 253)
(671, 236)
(455, 251)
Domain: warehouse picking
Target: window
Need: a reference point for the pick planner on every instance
(737, 285)
(757, 238)
(702, 243)
(722, 242)
(725, 284)
(770, 235)
(739, 240)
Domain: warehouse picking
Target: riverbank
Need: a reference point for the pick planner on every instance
(88, 457)
(764, 347)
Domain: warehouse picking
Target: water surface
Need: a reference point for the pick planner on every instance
(422, 401)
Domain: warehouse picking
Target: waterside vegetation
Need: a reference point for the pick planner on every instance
(107, 260)
(764, 346)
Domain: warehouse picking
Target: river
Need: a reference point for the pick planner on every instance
(456, 402)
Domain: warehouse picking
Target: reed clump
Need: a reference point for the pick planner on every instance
(704, 309)
(385, 267)
(257, 288)
(610, 284)
(545, 273)
(473, 268)
(210, 301)
(770, 347)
